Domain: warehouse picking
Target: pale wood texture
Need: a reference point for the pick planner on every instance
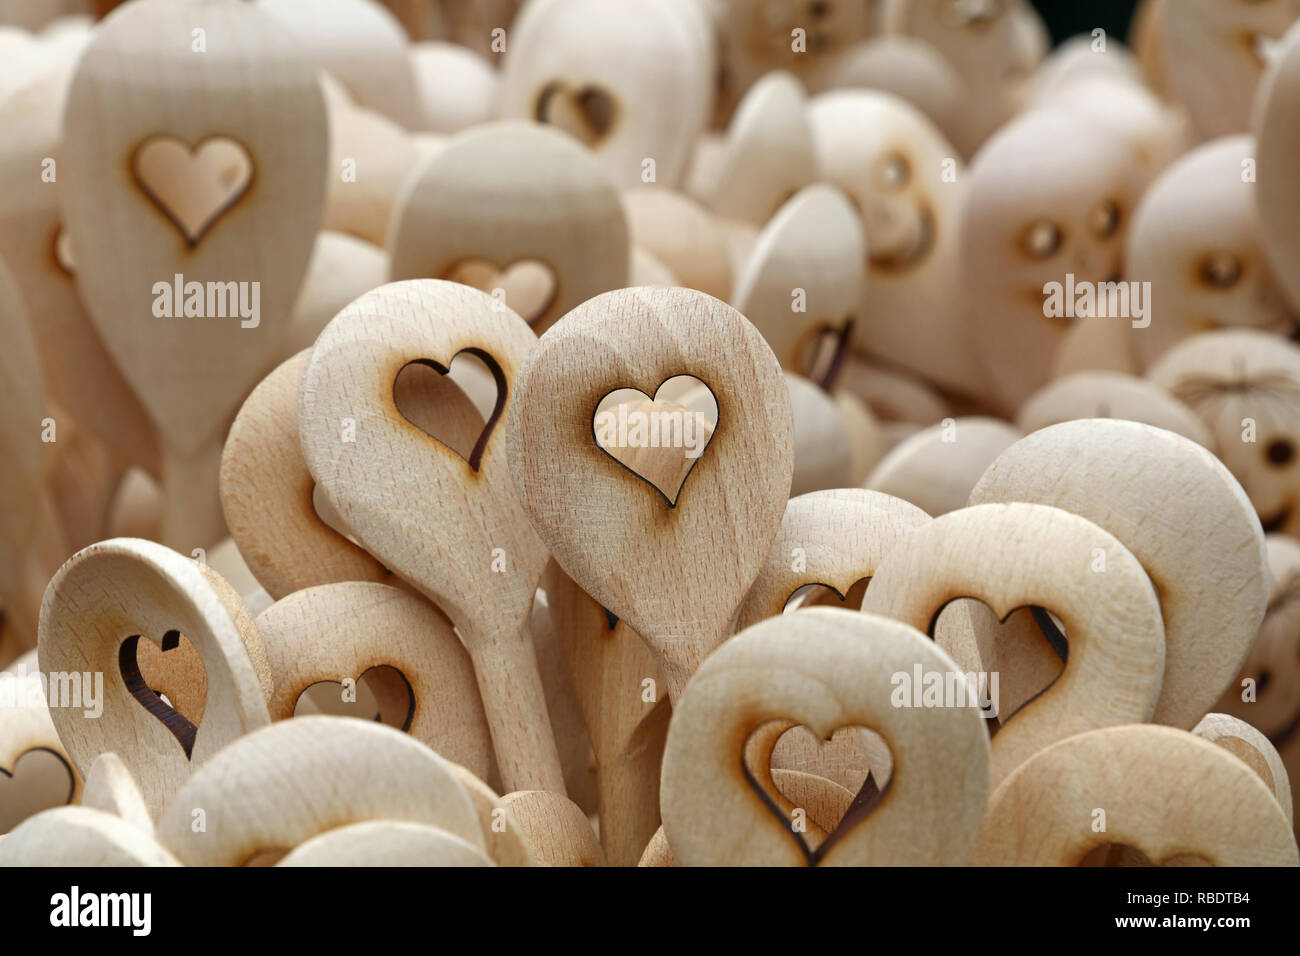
(631, 81)
(31, 539)
(111, 788)
(342, 630)
(81, 836)
(1015, 555)
(1105, 394)
(505, 844)
(1165, 792)
(509, 193)
(804, 283)
(890, 160)
(675, 573)
(1033, 215)
(823, 455)
(1197, 237)
(834, 538)
(768, 154)
(553, 828)
(36, 772)
(1277, 140)
(341, 268)
(1245, 386)
(1212, 57)
(936, 468)
(627, 720)
(681, 234)
(370, 159)
(386, 843)
(80, 375)
(1250, 746)
(1202, 546)
(824, 668)
(139, 81)
(455, 529)
(254, 801)
(112, 591)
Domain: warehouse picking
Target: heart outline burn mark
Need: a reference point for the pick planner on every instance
(498, 375)
(590, 112)
(192, 186)
(865, 802)
(127, 664)
(12, 774)
(817, 362)
(528, 280)
(648, 408)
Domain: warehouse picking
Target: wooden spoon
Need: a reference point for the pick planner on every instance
(676, 572)
(208, 169)
(452, 527)
(509, 193)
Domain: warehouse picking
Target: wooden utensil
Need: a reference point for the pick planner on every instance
(936, 468)
(507, 194)
(81, 836)
(111, 788)
(553, 828)
(631, 82)
(80, 375)
(98, 607)
(1251, 747)
(1104, 394)
(256, 800)
(1201, 547)
(1277, 99)
(453, 527)
(768, 154)
(833, 538)
(1035, 214)
(675, 572)
(1197, 237)
(1014, 555)
(372, 625)
(627, 722)
(184, 167)
(823, 453)
(825, 668)
(681, 234)
(1171, 795)
(31, 540)
(386, 843)
(803, 283)
(1245, 386)
(35, 769)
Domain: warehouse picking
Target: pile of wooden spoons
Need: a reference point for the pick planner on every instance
(652, 432)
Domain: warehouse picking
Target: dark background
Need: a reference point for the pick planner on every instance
(1065, 18)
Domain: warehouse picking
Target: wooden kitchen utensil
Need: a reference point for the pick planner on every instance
(626, 719)
(1277, 106)
(1167, 793)
(340, 631)
(100, 605)
(834, 539)
(1202, 547)
(81, 836)
(676, 572)
(452, 526)
(803, 284)
(555, 830)
(111, 788)
(1251, 747)
(1103, 394)
(386, 843)
(192, 183)
(275, 789)
(1016, 555)
(508, 195)
(824, 668)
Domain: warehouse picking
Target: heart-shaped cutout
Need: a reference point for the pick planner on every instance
(587, 113)
(659, 440)
(180, 678)
(38, 780)
(821, 351)
(381, 693)
(1124, 854)
(823, 595)
(529, 286)
(443, 410)
(193, 186)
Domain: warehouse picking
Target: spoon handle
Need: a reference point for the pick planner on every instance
(192, 516)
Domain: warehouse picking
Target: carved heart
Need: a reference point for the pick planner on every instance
(530, 285)
(192, 186)
(587, 113)
(820, 352)
(658, 440)
(1122, 854)
(175, 689)
(440, 408)
(39, 779)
